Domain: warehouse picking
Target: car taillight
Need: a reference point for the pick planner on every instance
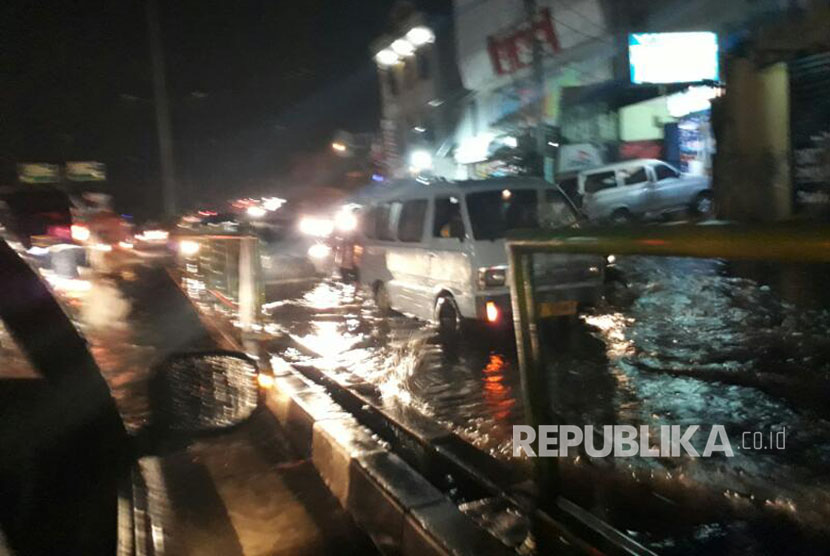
(79, 232)
(60, 232)
(492, 277)
(492, 311)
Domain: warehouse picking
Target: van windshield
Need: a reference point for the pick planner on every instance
(494, 213)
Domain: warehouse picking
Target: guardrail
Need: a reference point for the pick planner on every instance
(780, 243)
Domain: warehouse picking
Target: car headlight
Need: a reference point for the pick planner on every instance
(188, 247)
(319, 251)
(492, 277)
(317, 227)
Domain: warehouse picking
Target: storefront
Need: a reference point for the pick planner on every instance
(810, 133)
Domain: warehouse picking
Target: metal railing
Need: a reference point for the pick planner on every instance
(229, 268)
(773, 243)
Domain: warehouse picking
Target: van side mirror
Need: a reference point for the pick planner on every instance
(202, 392)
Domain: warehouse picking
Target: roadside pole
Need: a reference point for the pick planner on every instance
(538, 81)
(162, 107)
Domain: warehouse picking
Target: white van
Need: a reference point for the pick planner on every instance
(436, 251)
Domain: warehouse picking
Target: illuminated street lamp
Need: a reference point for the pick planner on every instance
(386, 57)
(339, 147)
(255, 211)
(420, 35)
(420, 160)
(403, 47)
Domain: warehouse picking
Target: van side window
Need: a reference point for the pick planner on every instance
(663, 172)
(382, 222)
(388, 221)
(555, 211)
(411, 226)
(599, 181)
(368, 223)
(448, 222)
(634, 175)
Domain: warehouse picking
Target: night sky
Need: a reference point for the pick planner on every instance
(256, 88)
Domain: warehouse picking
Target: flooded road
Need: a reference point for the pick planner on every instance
(689, 342)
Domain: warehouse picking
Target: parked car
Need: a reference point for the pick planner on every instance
(641, 189)
(437, 251)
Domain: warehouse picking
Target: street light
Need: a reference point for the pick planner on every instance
(255, 211)
(403, 47)
(420, 160)
(420, 35)
(386, 57)
(338, 146)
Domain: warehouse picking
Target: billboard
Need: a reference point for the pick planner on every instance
(512, 50)
(86, 171)
(38, 172)
(673, 57)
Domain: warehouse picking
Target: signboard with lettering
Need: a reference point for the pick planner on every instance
(673, 57)
(512, 50)
(86, 171)
(38, 172)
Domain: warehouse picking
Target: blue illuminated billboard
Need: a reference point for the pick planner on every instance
(673, 57)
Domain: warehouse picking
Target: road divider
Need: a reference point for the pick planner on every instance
(398, 508)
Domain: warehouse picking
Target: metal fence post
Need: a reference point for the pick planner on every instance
(535, 387)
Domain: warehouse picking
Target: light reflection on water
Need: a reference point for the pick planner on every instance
(688, 343)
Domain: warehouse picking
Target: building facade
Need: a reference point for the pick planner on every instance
(419, 88)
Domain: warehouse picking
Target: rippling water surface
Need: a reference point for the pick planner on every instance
(689, 342)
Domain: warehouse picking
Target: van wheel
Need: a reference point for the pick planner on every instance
(703, 205)
(621, 216)
(381, 297)
(448, 317)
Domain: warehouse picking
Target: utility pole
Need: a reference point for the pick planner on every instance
(538, 80)
(165, 135)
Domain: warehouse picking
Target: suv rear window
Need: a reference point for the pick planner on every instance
(599, 181)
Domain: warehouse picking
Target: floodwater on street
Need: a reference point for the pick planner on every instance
(688, 342)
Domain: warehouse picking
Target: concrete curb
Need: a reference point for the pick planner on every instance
(399, 509)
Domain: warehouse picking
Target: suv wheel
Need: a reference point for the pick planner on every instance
(448, 317)
(621, 216)
(381, 297)
(703, 204)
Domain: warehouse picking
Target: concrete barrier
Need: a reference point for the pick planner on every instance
(397, 507)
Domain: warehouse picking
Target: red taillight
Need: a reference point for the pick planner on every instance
(492, 311)
(60, 232)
